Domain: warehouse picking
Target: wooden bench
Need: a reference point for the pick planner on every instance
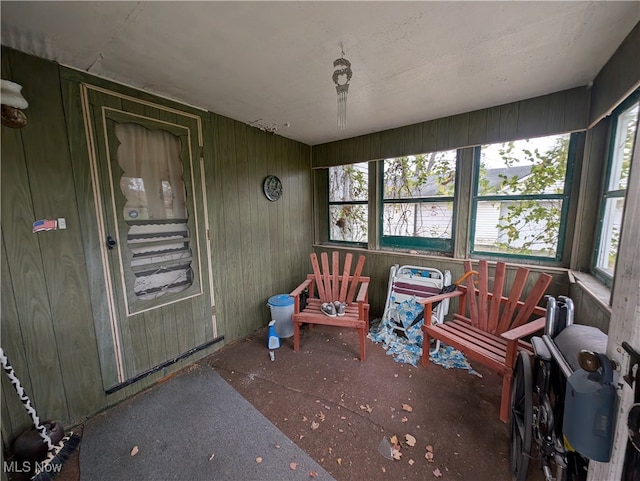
(328, 285)
(489, 327)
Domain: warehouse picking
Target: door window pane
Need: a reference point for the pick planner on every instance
(155, 211)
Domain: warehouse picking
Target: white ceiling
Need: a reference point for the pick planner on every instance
(411, 61)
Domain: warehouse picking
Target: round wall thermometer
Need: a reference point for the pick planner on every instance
(272, 188)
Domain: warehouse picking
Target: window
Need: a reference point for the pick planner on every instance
(623, 134)
(155, 211)
(348, 203)
(520, 197)
(418, 200)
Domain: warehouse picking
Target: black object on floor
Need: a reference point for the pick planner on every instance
(194, 426)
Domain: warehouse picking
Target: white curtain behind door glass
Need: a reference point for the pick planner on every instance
(155, 210)
(152, 172)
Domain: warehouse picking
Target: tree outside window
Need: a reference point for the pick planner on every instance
(348, 198)
(520, 197)
(418, 201)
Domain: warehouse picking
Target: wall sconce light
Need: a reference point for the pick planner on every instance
(12, 104)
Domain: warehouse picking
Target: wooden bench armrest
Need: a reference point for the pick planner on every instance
(440, 297)
(362, 293)
(524, 330)
(296, 292)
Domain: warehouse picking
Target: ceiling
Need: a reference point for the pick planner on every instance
(272, 62)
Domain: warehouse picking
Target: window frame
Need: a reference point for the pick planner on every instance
(565, 197)
(605, 193)
(331, 203)
(431, 244)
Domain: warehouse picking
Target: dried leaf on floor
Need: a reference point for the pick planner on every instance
(213, 455)
(258, 460)
(134, 450)
(320, 416)
(293, 466)
(384, 470)
(404, 419)
(411, 441)
(315, 425)
(437, 473)
(406, 407)
(394, 440)
(304, 419)
(313, 474)
(396, 454)
(429, 454)
(339, 461)
(367, 408)
(411, 462)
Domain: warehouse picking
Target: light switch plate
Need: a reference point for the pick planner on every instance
(62, 223)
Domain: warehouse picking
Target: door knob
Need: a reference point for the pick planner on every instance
(110, 242)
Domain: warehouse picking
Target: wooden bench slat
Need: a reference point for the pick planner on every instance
(512, 301)
(496, 298)
(345, 277)
(497, 351)
(484, 357)
(326, 277)
(335, 273)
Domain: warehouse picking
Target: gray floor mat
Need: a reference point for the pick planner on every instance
(178, 425)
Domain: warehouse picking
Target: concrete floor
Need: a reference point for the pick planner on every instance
(338, 409)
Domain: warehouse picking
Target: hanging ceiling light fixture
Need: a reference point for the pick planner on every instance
(341, 77)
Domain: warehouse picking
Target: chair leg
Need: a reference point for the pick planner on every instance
(426, 342)
(505, 402)
(363, 336)
(296, 336)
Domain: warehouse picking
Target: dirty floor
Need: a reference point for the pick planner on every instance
(339, 410)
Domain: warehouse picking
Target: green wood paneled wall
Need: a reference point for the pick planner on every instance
(565, 111)
(46, 314)
(49, 298)
(618, 78)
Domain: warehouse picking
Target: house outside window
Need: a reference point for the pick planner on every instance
(623, 134)
(520, 197)
(348, 203)
(417, 207)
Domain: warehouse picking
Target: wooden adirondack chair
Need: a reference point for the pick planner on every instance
(327, 285)
(489, 327)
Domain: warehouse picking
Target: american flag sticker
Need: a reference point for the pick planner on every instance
(45, 224)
